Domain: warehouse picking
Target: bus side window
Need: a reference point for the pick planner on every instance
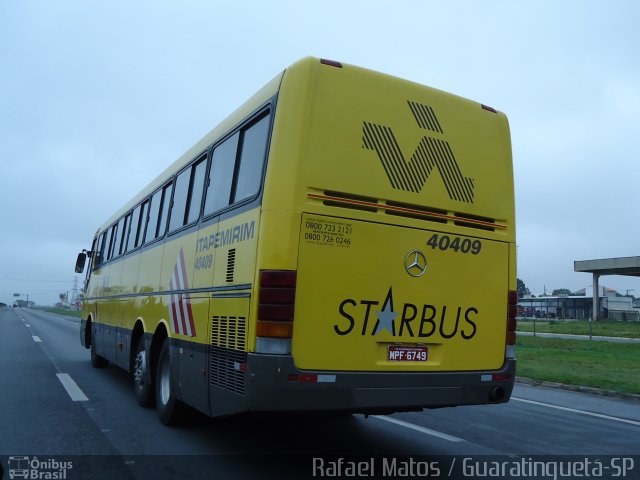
(117, 248)
(221, 175)
(100, 249)
(106, 246)
(144, 216)
(125, 232)
(154, 211)
(133, 230)
(254, 146)
(187, 199)
(196, 190)
(112, 245)
(176, 218)
(164, 214)
(92, 261)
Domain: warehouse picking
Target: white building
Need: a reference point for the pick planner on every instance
(613, 306)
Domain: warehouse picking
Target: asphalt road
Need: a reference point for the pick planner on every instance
(110, 436)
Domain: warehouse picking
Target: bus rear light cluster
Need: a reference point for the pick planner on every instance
(276, 302)
(274, 329)
(512, 311)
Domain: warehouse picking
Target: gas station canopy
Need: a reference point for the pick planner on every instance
(610, 266)
(629, 266)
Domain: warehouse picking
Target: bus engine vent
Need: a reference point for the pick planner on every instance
(408, 210)
(227, 357)
(231, 264)
(347, 200)
(415, 211)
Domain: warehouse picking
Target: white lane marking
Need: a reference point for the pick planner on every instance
(36, 338)
(418, 428)
(70, 323)
(71, 387)
(65, 321)
(581, 412)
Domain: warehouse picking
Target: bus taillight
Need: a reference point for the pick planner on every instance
(512, 311)
(276, 301)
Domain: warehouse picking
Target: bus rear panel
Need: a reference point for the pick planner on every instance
(389, 207)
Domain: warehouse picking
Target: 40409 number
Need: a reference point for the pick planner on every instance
(457, 244)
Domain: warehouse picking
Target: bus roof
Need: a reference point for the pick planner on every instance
(472, 128)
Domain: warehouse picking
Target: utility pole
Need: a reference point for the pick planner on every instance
(74, 294)
(19, 294)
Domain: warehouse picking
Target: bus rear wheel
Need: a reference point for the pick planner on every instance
(169, 407)
(141, 378)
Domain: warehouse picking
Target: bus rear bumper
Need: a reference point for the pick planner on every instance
(274, 384)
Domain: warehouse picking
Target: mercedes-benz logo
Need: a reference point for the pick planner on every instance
(415, 263)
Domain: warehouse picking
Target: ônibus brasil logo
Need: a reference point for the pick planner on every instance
(419, 320)
(35, 468)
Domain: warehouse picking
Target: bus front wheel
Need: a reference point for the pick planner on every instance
(169, 407)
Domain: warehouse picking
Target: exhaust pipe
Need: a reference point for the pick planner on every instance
(496, 394)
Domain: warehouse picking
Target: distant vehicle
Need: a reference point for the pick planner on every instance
(343, 242)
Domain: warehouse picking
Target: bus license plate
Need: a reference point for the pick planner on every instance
(404, 353)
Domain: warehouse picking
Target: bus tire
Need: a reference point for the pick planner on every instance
(96, 360)
(142, 385)
(169, 407)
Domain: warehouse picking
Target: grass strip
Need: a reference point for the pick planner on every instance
(612, 366)
(63, 311)
(606, 328)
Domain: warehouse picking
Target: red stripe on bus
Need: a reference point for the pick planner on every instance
(185, 309)
(172, 308)
(181, 327)
(406, 210)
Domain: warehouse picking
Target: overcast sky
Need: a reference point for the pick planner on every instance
(96, 98)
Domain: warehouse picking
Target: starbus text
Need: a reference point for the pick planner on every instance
(415, 320)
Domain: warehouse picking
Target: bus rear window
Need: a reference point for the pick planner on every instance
(237, 164)
(254, 145)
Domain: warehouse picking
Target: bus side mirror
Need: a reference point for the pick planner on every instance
(82, 258)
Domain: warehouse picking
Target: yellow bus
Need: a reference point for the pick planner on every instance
(343, 242)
